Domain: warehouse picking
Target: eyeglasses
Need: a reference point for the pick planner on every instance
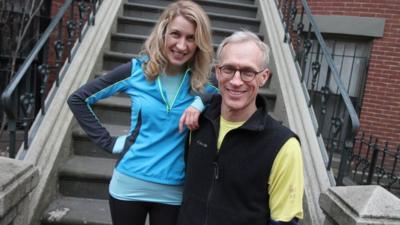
(245, 74)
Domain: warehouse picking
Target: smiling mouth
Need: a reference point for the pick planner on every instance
(235, 92)
(178, 54)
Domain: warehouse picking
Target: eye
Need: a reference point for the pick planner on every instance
(190, 38)
(174, 34)
(228, 69)
(248, 73)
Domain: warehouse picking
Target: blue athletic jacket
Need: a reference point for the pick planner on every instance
(153, 149)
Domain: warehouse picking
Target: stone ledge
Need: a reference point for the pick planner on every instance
(360, 205)
(17, 179)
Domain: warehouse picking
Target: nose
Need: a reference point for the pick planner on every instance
(181, 44)
(236, 79)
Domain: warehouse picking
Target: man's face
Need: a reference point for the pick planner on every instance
(238, 96)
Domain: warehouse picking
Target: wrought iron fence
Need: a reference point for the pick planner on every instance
(336, 118)
(374, 162)
(27, 96)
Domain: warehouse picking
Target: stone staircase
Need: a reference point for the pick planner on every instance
(83, 178)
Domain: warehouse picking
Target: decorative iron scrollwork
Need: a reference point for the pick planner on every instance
(27, 102)
(59, 48)
(325, 93)
(71, 29)
(336, 123)
(316, 68)
(44, 71)
(82, 9)
(307, 46)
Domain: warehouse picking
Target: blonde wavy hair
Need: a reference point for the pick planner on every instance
(201, 62)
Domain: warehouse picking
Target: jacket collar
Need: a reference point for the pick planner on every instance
(256, 122)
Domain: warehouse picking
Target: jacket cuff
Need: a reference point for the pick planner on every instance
(198, 104)
(119, 144)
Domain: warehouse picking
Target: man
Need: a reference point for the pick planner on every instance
(243, 167)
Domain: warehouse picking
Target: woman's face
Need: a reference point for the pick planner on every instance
(180, 45)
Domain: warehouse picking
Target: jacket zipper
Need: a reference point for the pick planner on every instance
(216, 172)
(167, 104)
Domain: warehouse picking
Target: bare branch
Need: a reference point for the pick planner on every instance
(33, 9)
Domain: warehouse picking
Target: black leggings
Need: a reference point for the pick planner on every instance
(135, 212)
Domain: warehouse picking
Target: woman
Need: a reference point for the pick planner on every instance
(173, 64)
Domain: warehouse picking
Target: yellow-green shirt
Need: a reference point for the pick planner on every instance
(286, 181)
(224, 127)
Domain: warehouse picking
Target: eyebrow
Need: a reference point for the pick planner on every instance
(244, 68)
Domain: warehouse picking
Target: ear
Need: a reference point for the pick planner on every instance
(217, 72)
(264, 77)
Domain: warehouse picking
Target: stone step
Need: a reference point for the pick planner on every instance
(249, 2)
(127, 43)
(135, 25)
(139, 26)
(77, 211)
(112, 59)
(113, 110)
(210, 6)
(132, 43)
(83, 146)
(218, 20)
(86, 177)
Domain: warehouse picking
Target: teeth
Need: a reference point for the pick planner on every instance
(178, 53)
(236, 92)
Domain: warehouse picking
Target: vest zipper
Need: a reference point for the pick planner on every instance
(216, 176)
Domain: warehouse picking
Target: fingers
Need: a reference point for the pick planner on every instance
(190, 118)
(182, 121)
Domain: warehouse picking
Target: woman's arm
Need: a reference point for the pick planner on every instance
(81, 100)
(190, 116)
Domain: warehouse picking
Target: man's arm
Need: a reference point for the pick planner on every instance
(286, 185)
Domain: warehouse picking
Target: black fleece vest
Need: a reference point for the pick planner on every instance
(230, 187)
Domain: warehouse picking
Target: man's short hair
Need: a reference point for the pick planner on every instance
(245, 36)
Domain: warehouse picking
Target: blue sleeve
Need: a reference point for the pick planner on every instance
(210, 90)
(198, 104)
(102, 87)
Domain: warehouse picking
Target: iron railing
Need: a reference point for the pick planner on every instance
(15, 45)
(372, 162)
(23, 100)
(337, 120)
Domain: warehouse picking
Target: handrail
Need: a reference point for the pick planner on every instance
(337, 136)
(345, 96)
(74, 31)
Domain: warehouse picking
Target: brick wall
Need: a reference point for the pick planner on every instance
(380, 114)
